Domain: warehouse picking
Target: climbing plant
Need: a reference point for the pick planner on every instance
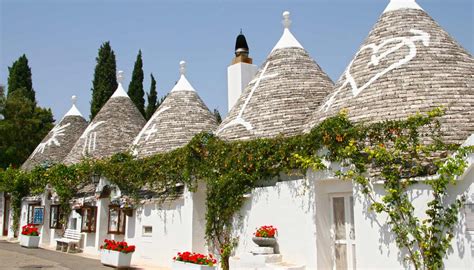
(398, 155)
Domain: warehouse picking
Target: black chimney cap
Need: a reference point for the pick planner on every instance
(241, 43)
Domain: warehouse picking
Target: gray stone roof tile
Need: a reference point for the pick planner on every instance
(181, 116)
(58, 143)
(407, 64)
(278, 101)
(111, 131)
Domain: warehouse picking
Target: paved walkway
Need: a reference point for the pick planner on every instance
(13, 257)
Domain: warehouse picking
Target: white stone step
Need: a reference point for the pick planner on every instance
(285, 266)
(250, 261)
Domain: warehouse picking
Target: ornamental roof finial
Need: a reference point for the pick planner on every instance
(120, 76)
(182, 67)
(286, 19)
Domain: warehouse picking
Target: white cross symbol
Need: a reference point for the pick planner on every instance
(150, 131)
(146, 131)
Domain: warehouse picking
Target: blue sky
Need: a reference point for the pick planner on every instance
(61, 38)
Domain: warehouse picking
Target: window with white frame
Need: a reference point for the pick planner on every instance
(89, 219)
(31, 209)
(116, 220)
(55, 217)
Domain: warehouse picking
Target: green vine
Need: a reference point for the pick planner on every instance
(396, 153)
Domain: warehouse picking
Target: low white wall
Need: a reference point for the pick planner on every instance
(289, 206)
(178, 226)
(376, 247)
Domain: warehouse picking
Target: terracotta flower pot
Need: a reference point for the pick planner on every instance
(29, 241)
(115, 258)
(264, 241)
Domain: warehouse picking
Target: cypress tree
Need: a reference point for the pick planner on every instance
(135, 88)
(217, 115)
(2, 101)
(152, 97)
(105, 81)
(19, 77)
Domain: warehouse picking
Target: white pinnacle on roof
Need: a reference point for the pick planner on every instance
(287, 40)
(183, 83)
(73, 111)
(120, 92)
(399, 4)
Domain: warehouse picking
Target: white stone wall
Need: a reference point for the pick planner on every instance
(175, 229)
(290, 207)
(376, 246)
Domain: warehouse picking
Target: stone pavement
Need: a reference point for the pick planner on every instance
(14, 257)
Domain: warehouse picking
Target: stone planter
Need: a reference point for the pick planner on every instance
(190, 266)
(29, 241)
(115, 258)
(264, 242)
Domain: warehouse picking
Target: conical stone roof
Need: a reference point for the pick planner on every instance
(111, 131)
(181, 116)
(408, 64)
(59, 141)
(285, 91)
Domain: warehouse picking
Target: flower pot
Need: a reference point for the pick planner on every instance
(115, 258)
(128, 211)
(29, 241)
(264, 241)
(177, 265)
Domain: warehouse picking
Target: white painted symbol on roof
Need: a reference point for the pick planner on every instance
(375, 60)
(57, 131)
(90, 138)
(239, 120)
(147, 131)
(150, 132)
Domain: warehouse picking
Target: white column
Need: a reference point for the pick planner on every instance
(238, 76)
(102, 221)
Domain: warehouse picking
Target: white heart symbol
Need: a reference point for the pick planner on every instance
(375, 59)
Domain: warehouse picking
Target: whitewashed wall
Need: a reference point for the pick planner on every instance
(376, 246)
(178, 226)
(289, 206)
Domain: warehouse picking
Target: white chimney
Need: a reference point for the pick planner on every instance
(240, 73)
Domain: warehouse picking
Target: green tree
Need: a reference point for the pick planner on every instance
(105, 81)
(152, 97)
(158, 103)
(20, 77)
(22, 129)
(218, 116)
(2, 100)
(135, 88)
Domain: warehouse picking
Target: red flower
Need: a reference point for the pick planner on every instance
(195, 258)
(29, 230)
(120, 246)
(266, 232)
